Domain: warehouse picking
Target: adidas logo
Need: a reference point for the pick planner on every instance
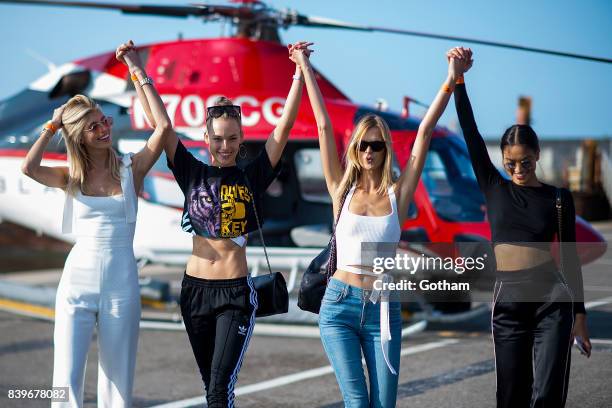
(242, 330)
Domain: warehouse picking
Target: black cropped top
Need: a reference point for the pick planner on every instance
(520, 214)
(218, 199)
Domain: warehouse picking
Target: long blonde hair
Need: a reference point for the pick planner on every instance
(351, 156)
(74, 120)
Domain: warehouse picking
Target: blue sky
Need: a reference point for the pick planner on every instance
(571, 98)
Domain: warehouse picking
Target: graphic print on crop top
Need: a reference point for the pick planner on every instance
(218, 199)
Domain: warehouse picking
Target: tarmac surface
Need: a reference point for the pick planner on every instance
(447, 365)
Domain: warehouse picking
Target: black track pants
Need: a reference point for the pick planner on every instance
(219, 316)
(532, 344)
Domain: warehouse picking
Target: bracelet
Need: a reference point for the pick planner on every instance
(50, 127)
(446, 88)
(145, 81)
(460, 80)
(297, 77)
(134, 78)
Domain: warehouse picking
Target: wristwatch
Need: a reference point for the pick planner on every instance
(146, 80)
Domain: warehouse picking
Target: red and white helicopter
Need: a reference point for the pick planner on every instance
(252, 68)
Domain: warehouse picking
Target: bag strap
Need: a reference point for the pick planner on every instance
(257, 219)
(559, 206)
(332, 240)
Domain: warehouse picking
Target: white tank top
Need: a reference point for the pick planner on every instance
(111, 219)
(353, 229)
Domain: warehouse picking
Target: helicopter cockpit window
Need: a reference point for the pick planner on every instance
(451, 183)
(310, 175)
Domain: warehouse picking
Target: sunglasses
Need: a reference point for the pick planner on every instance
(376, 146)
(215, 112)
(526, 164)
(107, 121)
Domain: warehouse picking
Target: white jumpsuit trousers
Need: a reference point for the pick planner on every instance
(99, 289)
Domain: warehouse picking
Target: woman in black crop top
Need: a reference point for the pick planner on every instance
(218, 300)
(537, 309)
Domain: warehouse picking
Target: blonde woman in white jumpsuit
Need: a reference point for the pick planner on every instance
(99, 284)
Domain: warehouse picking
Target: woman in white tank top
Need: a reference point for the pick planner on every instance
(373, 207)
(99, 284)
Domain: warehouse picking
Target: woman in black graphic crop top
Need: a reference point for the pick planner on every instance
(218, 300)
(538, 309)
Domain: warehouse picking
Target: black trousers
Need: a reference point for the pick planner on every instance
(532, 323)
(219, 316)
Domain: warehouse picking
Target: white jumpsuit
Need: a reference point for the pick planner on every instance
(99, 287)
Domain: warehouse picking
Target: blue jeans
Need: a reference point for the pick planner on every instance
(350, 324)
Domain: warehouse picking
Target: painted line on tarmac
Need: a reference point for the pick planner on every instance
(263, 329)
(597, 303)
(601, 341)
(27, 309)
(300, 376)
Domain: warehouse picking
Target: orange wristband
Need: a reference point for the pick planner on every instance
(50, 127)
(135, 78)
(446, 88)
(460, 80)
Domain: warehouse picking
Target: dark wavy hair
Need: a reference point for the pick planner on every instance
(520, 135)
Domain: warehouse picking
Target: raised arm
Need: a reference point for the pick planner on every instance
(486, 173)
(31, 167)
(163, 134)
(332, 168)
(411, 173)
(278, 139)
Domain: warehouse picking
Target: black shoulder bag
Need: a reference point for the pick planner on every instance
(272, 295)
(320, 270)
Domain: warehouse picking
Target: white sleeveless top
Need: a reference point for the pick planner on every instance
(112, 217)
(353, 229)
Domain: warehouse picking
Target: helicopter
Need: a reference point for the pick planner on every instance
(251, 68)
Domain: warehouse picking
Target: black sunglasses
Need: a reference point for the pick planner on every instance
(526, 164)
(376, 146)
(217, 111)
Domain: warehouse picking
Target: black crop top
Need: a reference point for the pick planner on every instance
(520, 214)
(218, 199)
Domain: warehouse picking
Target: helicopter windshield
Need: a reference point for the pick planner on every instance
(451, 183)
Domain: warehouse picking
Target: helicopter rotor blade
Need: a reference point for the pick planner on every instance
(144, 9)
(322, 22)
(257, 9)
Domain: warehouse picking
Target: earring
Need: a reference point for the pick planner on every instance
(242, 151)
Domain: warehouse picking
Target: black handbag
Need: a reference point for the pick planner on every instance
(320, 270)
(272, 294)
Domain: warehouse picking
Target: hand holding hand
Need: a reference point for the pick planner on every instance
(299, 52)
(127, 54)
(460, 61)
